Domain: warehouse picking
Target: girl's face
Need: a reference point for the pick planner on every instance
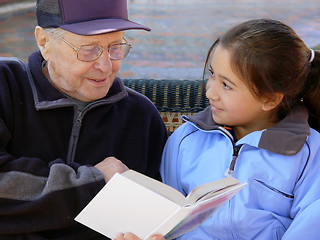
(232, 103)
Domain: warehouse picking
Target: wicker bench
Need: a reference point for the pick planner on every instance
(173, 98)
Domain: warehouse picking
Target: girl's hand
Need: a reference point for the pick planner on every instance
(131, 236)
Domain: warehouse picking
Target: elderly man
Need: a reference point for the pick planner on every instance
(66, 119)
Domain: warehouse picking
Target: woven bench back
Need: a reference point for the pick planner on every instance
(172, 98)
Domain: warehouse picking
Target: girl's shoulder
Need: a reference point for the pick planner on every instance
(314, 138)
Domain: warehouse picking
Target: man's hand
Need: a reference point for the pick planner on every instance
(110, 166)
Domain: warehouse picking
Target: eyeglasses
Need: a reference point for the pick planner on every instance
(89, 53)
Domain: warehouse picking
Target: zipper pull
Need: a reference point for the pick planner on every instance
(230, 170)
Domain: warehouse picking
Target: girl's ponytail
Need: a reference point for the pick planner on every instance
(312, 90)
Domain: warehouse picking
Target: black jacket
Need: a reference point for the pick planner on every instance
(48, 149)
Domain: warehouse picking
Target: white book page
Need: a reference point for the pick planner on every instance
(157, 186)
(125, 206)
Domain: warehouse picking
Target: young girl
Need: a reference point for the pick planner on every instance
(263, 86)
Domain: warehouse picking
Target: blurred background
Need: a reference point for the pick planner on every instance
(182, 31)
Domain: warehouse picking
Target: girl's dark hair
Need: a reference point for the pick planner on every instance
(270, 57)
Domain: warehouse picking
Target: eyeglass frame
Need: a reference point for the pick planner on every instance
(102, 49)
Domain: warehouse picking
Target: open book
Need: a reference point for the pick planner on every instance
(133, 202)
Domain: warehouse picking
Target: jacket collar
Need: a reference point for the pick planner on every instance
(286, 137)
(46, 96)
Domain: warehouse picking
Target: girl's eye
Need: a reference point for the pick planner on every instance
(226, 86)
(211, 72)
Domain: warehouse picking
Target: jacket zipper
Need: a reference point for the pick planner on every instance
(229, 172)
(74, 137)
(236, 150)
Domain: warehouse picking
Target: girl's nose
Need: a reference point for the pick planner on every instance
(211, 91)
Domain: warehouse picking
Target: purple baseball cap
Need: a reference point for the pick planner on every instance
(85, 17)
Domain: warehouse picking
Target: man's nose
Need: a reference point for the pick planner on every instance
(104, 62)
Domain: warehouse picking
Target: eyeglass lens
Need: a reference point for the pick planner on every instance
(93, 52)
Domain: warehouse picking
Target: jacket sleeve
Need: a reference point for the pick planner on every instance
(32, 191)
(34, 195)
(305, 210)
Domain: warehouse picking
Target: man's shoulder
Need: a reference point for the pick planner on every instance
(11, 69)
(139, 99)
(11, 63)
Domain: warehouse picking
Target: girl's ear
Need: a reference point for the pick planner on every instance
(271, 101)
(42, 39)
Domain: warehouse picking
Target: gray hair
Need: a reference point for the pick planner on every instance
(55, 32)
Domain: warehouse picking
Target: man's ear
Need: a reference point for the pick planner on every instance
(271, 101)
(42, 39)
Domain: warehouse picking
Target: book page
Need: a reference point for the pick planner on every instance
(210, 188)
(201, 211)
(157, 186)
(125, 206)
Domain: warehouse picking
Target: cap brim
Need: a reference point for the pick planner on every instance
(102, 26)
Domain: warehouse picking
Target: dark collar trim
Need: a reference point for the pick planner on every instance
(285, 138)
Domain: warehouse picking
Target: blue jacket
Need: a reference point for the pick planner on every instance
(48, 148)
(281, 166)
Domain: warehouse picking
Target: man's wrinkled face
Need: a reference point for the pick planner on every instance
(85, 81)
